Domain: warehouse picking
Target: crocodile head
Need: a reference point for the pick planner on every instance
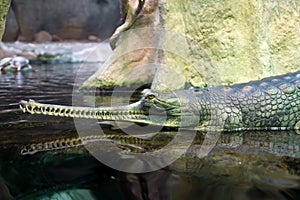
(165, 109)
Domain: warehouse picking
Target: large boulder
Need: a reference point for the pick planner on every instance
(217, 42)
(66, 19)
(131, 63)
(240, 40)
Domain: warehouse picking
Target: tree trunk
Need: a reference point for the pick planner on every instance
(4, 5)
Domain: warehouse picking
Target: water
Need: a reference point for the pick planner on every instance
(241, 166)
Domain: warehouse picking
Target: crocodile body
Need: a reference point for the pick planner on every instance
(269, 104)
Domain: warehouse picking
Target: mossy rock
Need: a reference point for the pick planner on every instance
(225, 42)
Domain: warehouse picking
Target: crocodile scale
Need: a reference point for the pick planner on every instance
(269, 104)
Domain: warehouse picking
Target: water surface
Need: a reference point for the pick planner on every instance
(247, 165)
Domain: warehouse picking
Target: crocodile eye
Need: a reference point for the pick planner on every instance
(150, 97)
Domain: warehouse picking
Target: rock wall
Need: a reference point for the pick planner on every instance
(4, 5)
(217, 42)
(133, 61)
(68, 19)
(237, 40)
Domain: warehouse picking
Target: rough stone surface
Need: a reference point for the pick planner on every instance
(4, 6)
(223, 42)
(133, 62)
(11, 27)
(240, 36)
(67, 19)
(237, 40)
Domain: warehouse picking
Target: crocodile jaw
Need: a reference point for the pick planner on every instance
(130, 113)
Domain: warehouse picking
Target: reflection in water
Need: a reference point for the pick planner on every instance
(248, 165)
(4, 191)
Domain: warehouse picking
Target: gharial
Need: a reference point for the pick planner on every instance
(269, 104)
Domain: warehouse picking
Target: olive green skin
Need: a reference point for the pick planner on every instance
(272, 103)
(269, 104)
